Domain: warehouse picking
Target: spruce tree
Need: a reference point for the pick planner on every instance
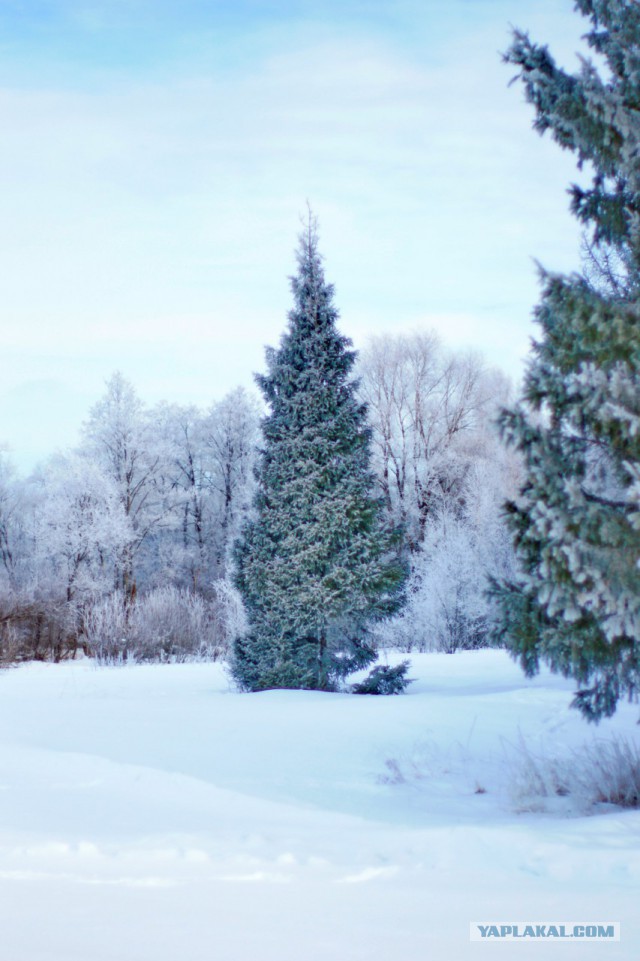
(315, 567)
(577, 521)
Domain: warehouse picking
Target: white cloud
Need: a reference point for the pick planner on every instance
(151, 221)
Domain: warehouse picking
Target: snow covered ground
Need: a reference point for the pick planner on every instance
(153, 814)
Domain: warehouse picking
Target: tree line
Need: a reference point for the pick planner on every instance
(124, 546)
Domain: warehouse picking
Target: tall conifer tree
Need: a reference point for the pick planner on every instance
(577, 522)
(315, 566)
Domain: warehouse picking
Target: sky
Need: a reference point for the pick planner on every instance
(158, 156)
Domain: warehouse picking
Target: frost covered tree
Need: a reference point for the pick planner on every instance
(229, 439)
(210, 457)
(428, 410)
(61, 531)
(79, 528)
(466, 543)
(12, 526)
(121, 437)
(181, 549)
(315, 567)
(577, 520)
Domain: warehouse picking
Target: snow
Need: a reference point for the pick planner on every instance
(151, 813)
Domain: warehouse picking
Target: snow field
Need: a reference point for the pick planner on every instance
(151, 813)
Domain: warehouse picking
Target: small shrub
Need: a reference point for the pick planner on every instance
(106, 629)
(385, 680)
(600, 772)
(170, 624)
(39, 629)
(447, 769)
(167, 624)
(533, 779)
(12, 643)
(608, 772)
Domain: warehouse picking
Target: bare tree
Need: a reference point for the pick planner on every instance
(120, 436)
(429, 410)
(229, 439)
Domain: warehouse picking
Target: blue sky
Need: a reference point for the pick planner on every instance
(157, 156)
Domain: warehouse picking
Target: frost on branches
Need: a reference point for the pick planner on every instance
(577, 520)
(466, 543)
(315, 567)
